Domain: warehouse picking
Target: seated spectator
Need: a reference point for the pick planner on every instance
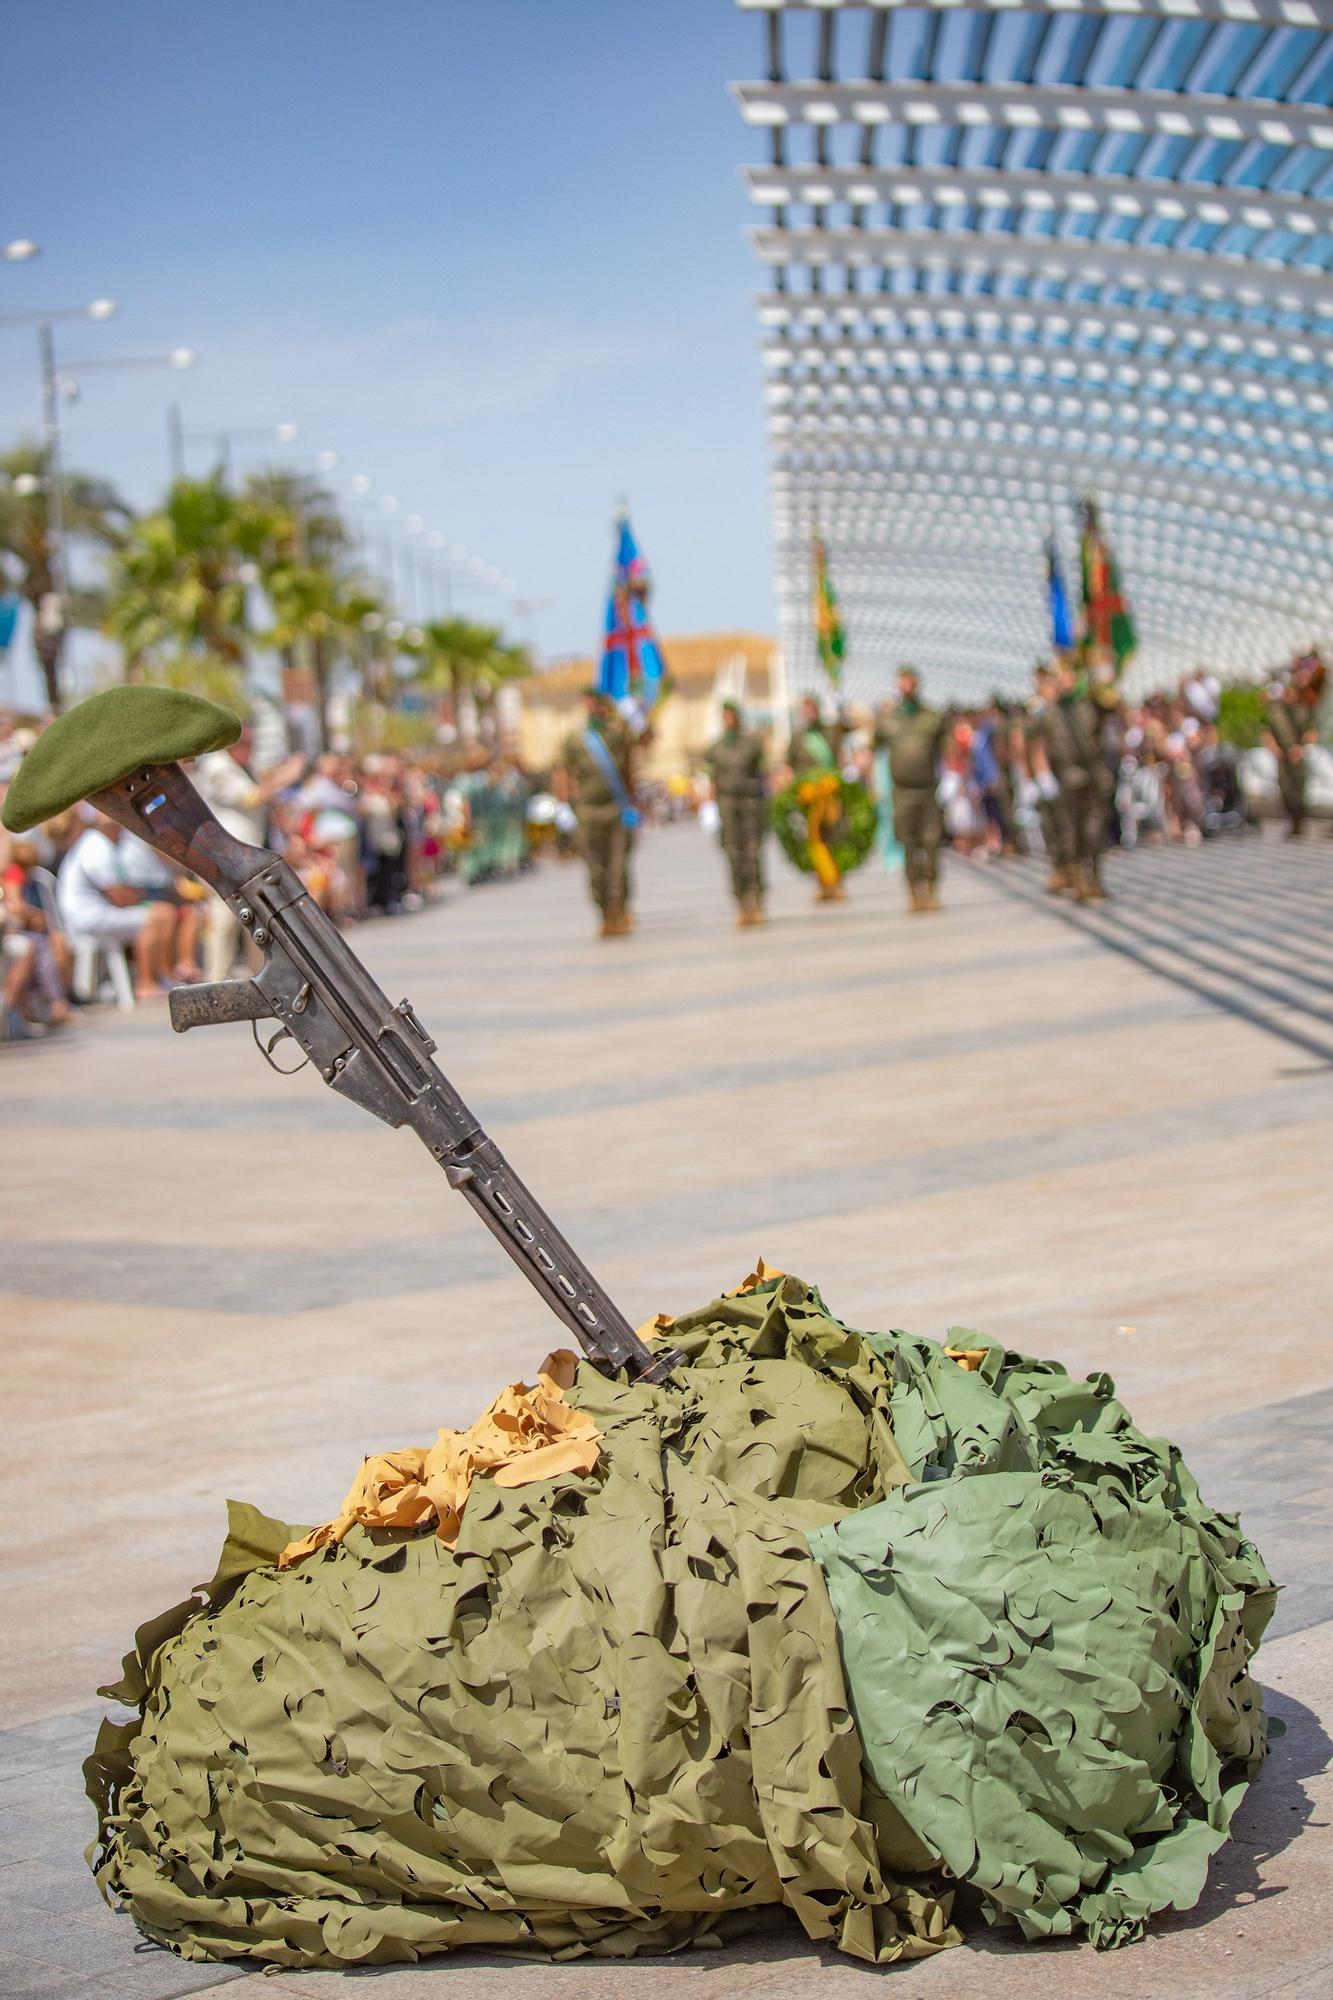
(37, 959)
(143, 868)
(97, 901)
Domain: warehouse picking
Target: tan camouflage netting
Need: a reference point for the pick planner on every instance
(613, 1718)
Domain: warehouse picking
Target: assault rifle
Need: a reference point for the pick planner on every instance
(376, 1054)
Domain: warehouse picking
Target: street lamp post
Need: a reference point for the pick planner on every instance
(71, 372)
(178, 437)
(51, 611)
(64, 383)
(55, 480)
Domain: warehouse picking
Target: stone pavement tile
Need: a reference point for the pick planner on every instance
(1151, 1266)
(822, 1174)
(24, 1979)
(1290, 1519)
(833, 1057)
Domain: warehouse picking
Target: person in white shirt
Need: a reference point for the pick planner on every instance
(96, 900)
(223, 782)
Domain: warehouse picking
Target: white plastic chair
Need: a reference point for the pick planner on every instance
(87, 981)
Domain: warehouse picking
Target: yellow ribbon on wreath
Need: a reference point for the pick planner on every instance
(821, 798)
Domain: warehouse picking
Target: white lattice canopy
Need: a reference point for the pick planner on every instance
(1014, 254)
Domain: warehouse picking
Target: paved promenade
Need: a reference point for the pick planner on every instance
(1103, 1137)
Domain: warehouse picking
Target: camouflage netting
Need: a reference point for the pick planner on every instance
(614, 1717)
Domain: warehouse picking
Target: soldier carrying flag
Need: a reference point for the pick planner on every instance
(596, 772)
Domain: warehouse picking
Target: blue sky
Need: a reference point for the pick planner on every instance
(491, 253)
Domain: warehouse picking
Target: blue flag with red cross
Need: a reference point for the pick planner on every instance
(632, 665)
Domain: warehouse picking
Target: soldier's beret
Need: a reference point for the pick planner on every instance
(100, 742)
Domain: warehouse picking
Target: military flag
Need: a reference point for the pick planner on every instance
(1107, 623)
(632, 667)
(829, 634)
(1057, 597)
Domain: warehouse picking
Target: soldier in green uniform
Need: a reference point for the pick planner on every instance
(1289, 729)
(913, 736)
(596, 776)
(738, 767)
(1070, 732)
(1051, 816)
(814, 744)
(812, 756)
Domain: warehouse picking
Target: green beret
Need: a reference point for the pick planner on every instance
(103, 739)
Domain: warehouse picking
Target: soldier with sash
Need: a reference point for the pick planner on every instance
(596, 776)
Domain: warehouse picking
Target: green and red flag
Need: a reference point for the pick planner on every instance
(1107, 621)
(829, 634)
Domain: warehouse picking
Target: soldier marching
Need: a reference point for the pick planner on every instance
(737, 767)
(913, 735)
(596, 775)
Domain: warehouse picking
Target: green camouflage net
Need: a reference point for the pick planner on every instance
(614, 1718)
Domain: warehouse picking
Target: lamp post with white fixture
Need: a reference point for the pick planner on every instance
(72, 372)
(224, 441)
(51, 612)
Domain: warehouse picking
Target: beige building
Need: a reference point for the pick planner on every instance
(703, 671)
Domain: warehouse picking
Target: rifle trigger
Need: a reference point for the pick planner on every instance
(284, 1034)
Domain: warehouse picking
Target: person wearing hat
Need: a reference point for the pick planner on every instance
(596, 776)
(738, 769)
(914, 736)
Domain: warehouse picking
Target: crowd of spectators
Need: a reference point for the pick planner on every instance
(376, 834)
(1172, 778)
(370, 836)
(1175, 773)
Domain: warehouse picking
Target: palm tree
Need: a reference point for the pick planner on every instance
(93, 512)
(319, 604)
(311, 618)
(181, 580)
(456, 657)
